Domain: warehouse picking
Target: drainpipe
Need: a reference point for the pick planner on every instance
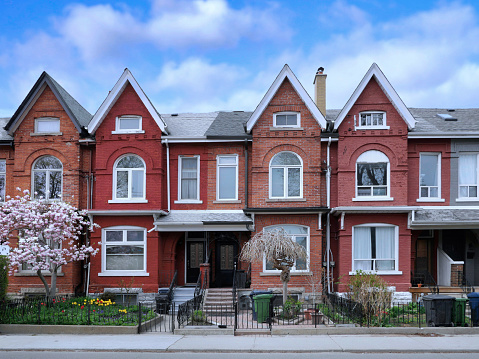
(328, 203)
(168, 174)
(246, 173)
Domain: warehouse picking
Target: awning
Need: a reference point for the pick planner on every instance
(446, 218)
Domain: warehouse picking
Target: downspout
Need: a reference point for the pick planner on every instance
(168, 174)
(328, 203)
(246, 173)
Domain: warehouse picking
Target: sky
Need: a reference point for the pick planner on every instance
(210, 55)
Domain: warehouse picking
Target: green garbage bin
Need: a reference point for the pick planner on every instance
(459, 312)
(262, 304)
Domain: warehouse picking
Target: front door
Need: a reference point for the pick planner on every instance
(195, 255)
(226, 257)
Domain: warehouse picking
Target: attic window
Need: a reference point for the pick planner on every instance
(47, 125)
(372, 120)
(446, 117)
(286, 119)
(128, 124)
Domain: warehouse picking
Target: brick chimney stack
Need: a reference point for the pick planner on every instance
(320, 90)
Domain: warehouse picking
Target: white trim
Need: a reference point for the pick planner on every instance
(285, 178)
(373, 156)
(129, 171)
(47, 179)
(396, 248)
(379, 272)
(389, 91)
(201, 139)
(425, 200)
(186, 201)
(218, 166)
(358, 126)
(118, 130)
(104, 244)
(298, 120)
(189, 200)
(286, 73)
(439, 173)
(372, 198)
(113, 96)
(47, 119)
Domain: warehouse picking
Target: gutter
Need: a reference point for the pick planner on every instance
(168, 186)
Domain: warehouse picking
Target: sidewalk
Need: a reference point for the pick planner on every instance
(280, 344)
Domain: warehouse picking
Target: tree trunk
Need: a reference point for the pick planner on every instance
(53, 286)
(285, 279)
(285, 292)
(44, 281)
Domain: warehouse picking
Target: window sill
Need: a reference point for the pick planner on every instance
(380, 272)
(286, 129)
(278, 273)
(227, 201)
(123, 274)
(132, 132)
(34, 274)
(128, 201)
(372, 198)
(358, 128)
(430, 200)
(46, 133)
(188, 202)
(468, 199)
(286, 200)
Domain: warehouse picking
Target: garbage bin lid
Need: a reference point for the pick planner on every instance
(461, 299)
(437, 297)
(473, 295)
(263, 296)
(257, 292)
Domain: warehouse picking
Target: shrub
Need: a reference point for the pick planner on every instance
(291, 308)
(108, 296)
(3, 277)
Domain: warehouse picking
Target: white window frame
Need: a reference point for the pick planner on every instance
(129, 199)
(3, 174)
(468, 199)
(373, 156)
(359, 126)
(396, 270)
(119, 130)
(38, 120)
(29, 272)
(105, 244)
(429, 198)
(285, 185)
(298, 119)
(218, 177)
(180, 166)
(293, 269)
(47, 179)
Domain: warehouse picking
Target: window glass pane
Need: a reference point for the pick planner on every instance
(362, 243)
(188, 189)
(473, 191)
(121, 184)
(294, 180)
(227, 160)
(2, 188)
(55, 185)
(227, 182)
(291, 229)
(3, 166)
(372, 174)
(129, 123)
(286, 159)
(380, 191)
(110, 249)
(363, 265)
(130, 162)
(39, 184)
(48, 162)
(48, 125)
(464, 191)
(384, 265)
(433, 192)
(135, 236)
(137, 184)
(429, 170)
(425, 192)
(277, 182)
(189, 165)
(364, 191)
(124, 262)
(301, 263)
(292, 120)
(114, 236)
(280, 120)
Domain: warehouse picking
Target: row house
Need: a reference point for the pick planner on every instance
(375, 186)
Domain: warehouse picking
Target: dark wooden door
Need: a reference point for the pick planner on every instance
(226, 257)
(195, 255)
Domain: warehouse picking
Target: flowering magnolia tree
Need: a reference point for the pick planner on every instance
(276, 247)
(48, 236)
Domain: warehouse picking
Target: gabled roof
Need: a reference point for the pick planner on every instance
(113, 96)
(79, 116)
(389, 91)
(286, 73)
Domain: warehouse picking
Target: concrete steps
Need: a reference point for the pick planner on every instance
(182, 294)
(218, 300)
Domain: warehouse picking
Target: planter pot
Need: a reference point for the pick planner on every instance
(309, 312)
(419, 285)
(317, 318)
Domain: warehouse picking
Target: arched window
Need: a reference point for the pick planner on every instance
(372, 175)
(129, 178)
(286, 176)
(47, 178)
(299, 234)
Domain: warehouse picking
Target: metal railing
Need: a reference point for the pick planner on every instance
(426, 279)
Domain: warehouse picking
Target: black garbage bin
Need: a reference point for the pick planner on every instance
(254, 293)
(438, 310)
(163, 301)
(474, 303)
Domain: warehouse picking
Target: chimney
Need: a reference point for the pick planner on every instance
(320, 90)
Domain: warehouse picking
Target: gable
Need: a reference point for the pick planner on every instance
(375, 73)
(125, 79)
(77, 114)
(286, 73)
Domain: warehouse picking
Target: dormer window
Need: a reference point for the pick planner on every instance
(128, 124)
(372, 120)
(286, 119)
(47, 125)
